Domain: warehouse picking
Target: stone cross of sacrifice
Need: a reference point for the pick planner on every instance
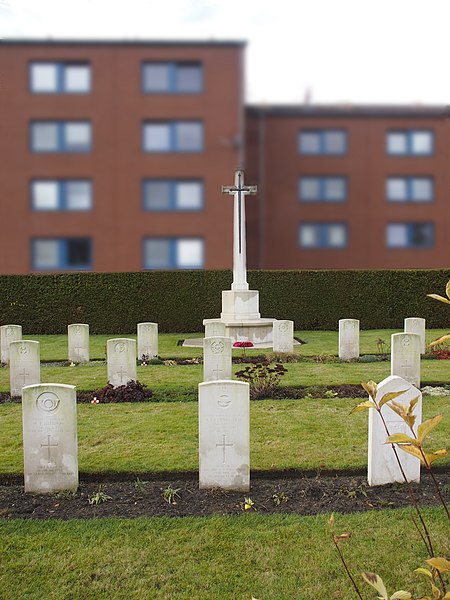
(239, 191)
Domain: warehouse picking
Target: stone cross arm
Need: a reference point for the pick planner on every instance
(239, 187)
(245, 189)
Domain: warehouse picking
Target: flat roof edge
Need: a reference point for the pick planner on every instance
(351, 110)
(117, 42)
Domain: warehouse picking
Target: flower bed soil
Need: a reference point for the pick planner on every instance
(130, 495)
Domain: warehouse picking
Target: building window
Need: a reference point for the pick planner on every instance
(322, 141)
(163, 194)
(410, 189)
(60, 78)
(60, 136)
(56, 254)
(173, 253)
(178, 136)
(70, 195)
(410, 142)
(322, 189)
(172, 78)
(410, 235)
(323, 235)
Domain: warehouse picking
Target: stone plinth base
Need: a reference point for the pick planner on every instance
(257, 331)
(240, 305)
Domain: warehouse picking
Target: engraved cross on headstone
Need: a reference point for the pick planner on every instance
(224, 446)
(239, 191)
(406, 366)
(24, 374)
(49, 445)
(122, 373)
(78, 348)
(216, 371)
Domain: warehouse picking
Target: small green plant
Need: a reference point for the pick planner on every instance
(139, 484)
(65, 495)
(170, 494)
(98, 497)
(279, 498)
(248, 504)
(284, 357)
(330, 394)
(263, 378)
(353, 493)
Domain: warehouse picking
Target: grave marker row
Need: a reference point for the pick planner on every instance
(78, 341)
(51, 453)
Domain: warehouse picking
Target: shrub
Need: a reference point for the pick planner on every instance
(133, 391)
(263, 379)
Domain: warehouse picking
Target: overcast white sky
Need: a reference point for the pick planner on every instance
(388, 51)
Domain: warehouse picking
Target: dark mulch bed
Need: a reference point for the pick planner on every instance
(137, 392)
(133, 496)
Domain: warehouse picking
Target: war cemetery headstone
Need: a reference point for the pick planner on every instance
(382, 464)
(147, 340)
(121, 359)
(214, 329)
(416, 325)
(78, 341)
(348, 339)
(24, 365)
(405, 357)
(8, 334)
(216, 358)
(283, 336)
(49, 414)
(224, 435)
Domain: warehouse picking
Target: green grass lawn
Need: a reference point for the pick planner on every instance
(228, 558)
(54, 347)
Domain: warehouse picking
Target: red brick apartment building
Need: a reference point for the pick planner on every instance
(113, 154)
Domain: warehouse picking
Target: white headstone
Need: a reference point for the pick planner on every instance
(416, 325)
(8, 334)
(78, 341)
(216, 358)
(147, 340)
(283, 336)
(215, 329)
(382, 465)
(24, 365)
(50, 448)
(405, 357)
(348, 339)
(224, 435)
(121, 358)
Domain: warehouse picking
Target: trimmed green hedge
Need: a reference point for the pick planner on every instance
(180, 300)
